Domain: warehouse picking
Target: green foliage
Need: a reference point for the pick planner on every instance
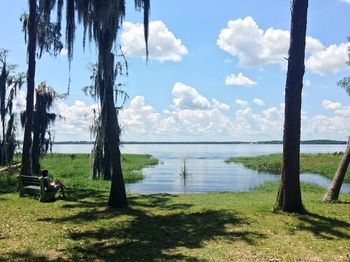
(345, 84)
(324, 164)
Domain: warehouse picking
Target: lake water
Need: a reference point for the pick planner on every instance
(205, 166)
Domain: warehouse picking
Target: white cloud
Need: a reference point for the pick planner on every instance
(255, 47)
(186, 97)
(75, 121)
(259, 102)
(142, 122)
(327, 104)
(335, 126)
(239, 80)
(329, 61)
(219, 105)
(242, 103)
(345, 1)
(163, 45)
(64, 52)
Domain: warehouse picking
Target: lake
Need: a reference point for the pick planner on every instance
(205, 166)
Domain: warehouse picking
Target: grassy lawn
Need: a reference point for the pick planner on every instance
(186, 227)
(323, 164)
(162, 227)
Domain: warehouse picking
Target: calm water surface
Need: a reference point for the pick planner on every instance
(207, 171)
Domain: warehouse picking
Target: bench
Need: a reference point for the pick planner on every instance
(32, 184)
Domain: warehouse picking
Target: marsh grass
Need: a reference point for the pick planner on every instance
(74, 170)
(324, 164)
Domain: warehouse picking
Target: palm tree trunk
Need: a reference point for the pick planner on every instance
(289, 194)
(333, 191)
(26, 168)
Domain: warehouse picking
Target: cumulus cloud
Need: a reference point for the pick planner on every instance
(327, 104)
(335, 126)
(215, 121)
(239, 80)
(329, 61)
(259, 102)
(74, 122)
(163, 45)
(253, 46)
(186, 97)
(242, 103)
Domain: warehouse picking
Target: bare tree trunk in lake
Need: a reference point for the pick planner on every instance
(289, 194)
(26, 168)
(333, 191)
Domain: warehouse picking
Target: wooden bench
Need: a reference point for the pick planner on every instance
(32, 184)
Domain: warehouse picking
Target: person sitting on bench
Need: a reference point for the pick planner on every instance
(57, 184)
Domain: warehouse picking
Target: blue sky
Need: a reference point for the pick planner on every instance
(216, 71)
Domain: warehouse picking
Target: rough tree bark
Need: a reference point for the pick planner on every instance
(333, 191)
(26, 168)
(117, 196)
(289, 194)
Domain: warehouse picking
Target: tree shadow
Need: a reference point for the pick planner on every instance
(26, 256)
(324, 227)
(159, 201)
(150, 237)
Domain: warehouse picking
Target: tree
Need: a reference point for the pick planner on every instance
(26, 168)
(41, 33)
(289, 194)
(10, 82)
(45, 96)
(102, 20)
(333, 191)
(100, 153)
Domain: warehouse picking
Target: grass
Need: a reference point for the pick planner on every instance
(186, 227)
(324, 164)
(74, 170)
(163, 227)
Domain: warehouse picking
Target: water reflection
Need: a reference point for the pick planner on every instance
(206, 167)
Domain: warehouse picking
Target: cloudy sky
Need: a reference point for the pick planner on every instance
(216, 71)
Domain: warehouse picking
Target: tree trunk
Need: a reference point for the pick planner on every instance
(333, 191)
(289, 194)
(36, 139)
(26, 168)
(117, 196)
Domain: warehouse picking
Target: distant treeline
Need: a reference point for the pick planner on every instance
(272, 142)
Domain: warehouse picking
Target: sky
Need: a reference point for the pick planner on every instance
(216, 71)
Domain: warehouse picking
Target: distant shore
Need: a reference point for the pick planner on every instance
(272, 142)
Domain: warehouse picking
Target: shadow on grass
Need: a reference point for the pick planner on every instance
(159, 201)
(324, 227)
(150, 237)
(94, 205)
(27, 256)
(147, 231)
